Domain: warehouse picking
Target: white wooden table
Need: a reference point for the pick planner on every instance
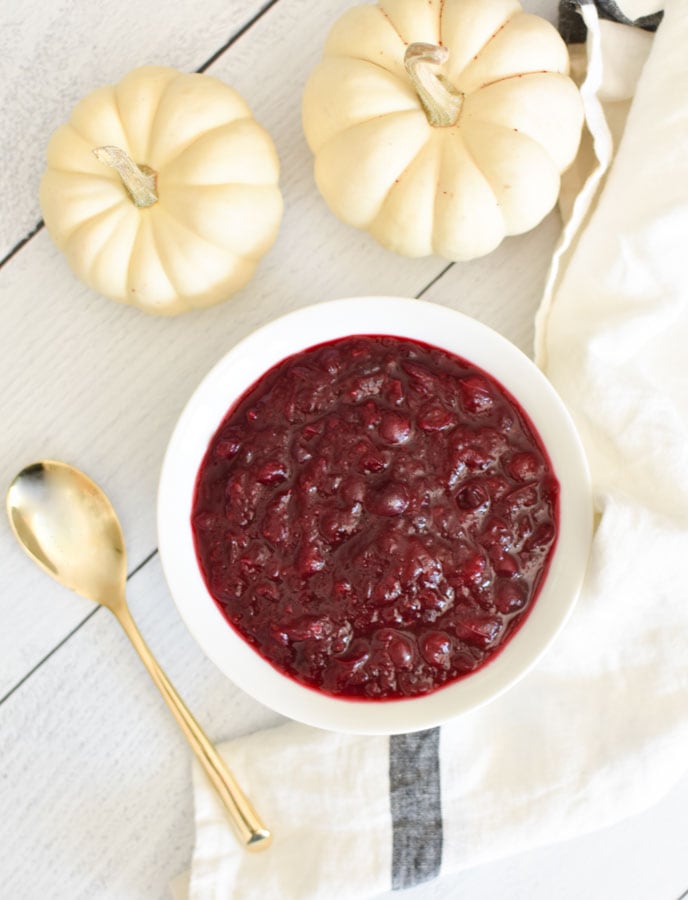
(95, 799)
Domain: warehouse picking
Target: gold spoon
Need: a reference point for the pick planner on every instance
(68, 526)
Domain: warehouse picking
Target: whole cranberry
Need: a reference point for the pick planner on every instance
(436, 647)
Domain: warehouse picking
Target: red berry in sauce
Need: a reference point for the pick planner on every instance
(375, 516)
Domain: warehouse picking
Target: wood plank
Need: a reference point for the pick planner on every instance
(96, 791)
(55, 53)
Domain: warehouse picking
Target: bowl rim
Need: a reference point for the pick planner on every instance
(309, 326)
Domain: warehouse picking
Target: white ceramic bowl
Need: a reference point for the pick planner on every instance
(237, 371)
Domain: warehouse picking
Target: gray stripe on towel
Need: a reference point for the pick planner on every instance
(416, 804)
(572, 27)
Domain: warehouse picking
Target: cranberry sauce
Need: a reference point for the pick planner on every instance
(375, 517)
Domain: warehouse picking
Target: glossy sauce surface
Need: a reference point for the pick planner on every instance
(375, 516)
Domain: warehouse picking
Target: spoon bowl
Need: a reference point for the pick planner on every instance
(68, 526)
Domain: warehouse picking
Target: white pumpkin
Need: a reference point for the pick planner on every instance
(441, 126)
(162, 191)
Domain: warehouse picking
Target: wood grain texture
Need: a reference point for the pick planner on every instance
(96, 768)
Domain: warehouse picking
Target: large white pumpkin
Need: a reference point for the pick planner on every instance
(441, 126)
(162, 191)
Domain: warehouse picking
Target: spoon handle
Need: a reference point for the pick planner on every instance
(250, 830)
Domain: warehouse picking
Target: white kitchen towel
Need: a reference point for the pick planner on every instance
(599, 729)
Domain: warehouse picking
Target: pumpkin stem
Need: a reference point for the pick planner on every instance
(140, 181)
(441, 101)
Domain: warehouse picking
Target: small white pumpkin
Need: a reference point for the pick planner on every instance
(441, 126)
(162, 191)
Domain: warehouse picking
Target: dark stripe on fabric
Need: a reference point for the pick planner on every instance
(416, 805)
(573, 30)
